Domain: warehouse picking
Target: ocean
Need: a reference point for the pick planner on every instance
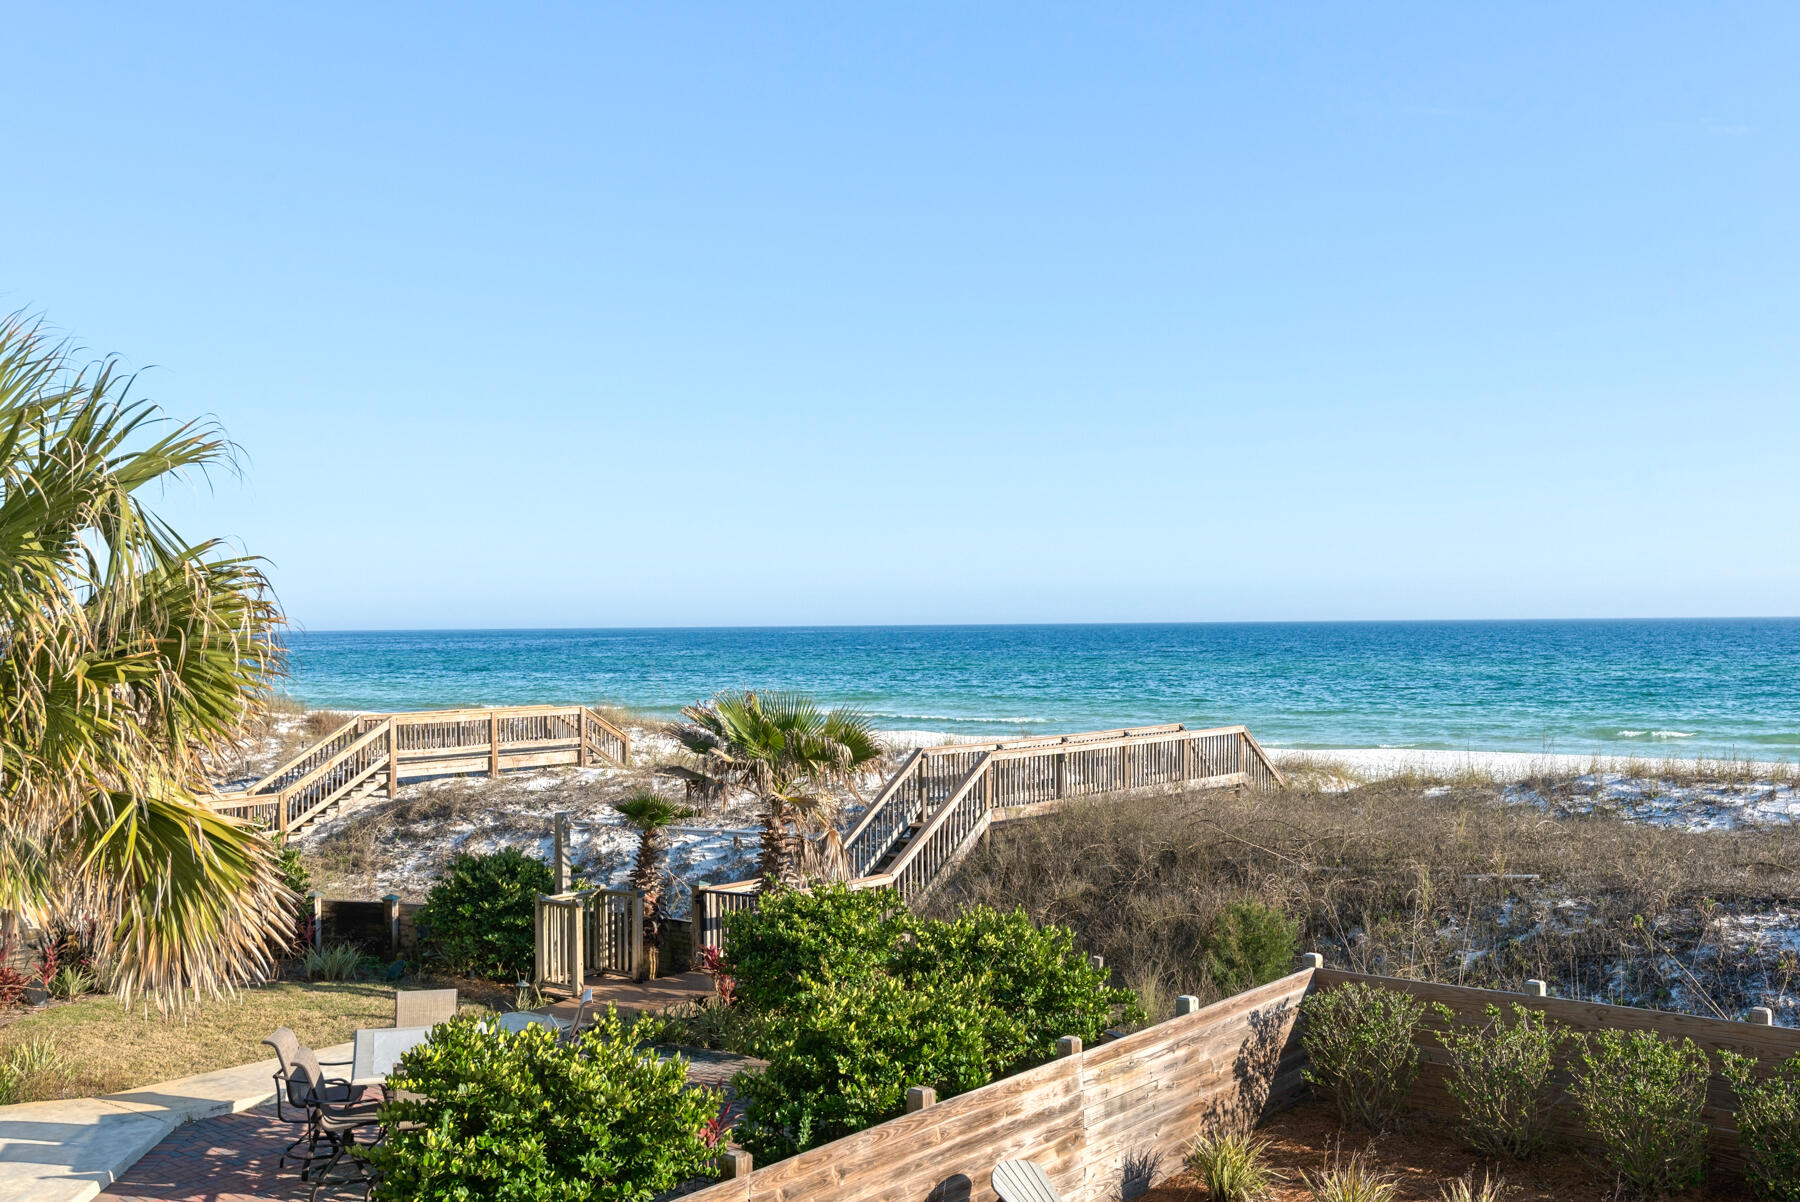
(1653, 688)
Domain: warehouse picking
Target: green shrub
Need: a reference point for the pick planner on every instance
(1641, 1096)
(72, 981)
(333, 962)
(1464, 1189)
(852, 1000)
(1768, 1122)
(526, 1118)
(1359, 1041)
(704, 1023)
(1031, 983)
(477, 917)
(792, 938)
(1250, 944)
(847, 1057)
(34, 1072)
(1500, 1076)
(1231, 1166)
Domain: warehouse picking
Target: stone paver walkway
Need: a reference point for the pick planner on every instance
(234, 1158)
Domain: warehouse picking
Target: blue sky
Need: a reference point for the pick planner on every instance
(680, 314)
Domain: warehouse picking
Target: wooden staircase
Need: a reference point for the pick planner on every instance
(370, 755)
(941, 800)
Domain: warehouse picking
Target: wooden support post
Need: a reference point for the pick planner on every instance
(494, 746)
(1312, 960)
(1187, 1003)
(1068, 1045)
(1187, 759)
(1762, 1016)
(919, 1097)
(733, 1163)
(393, 758)
(1096, 961)
(1061, 774)
(393, 916)
(581, 737)
(574, 946)
(561, 866)
(318, 920)
(1537, 988)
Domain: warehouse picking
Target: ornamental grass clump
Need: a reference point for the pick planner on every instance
(1231, 1166)
(1768, 1122)
(1351, 1181)
(1641, 1096)
(528, 1118)
(1359, 1044)
(1464, 1189)
(1501, 1078)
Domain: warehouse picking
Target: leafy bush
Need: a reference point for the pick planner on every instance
(12, 982)
(854, 1000)
(333, 962)
(848, 1057)
(1500, 1077)
(1359, 1041)
(705, 1023)
(1250, 944)
(1641, 1096)
(527, 1118)
(477, 917)
(793, 938)
(1032, 984)
(1768, 1122)
(1231, 1166)
(1351, 1181)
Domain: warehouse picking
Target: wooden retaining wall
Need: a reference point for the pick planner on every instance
(1079, 1116)
(1770, 1045)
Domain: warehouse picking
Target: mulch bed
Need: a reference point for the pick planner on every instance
(1421, 1161)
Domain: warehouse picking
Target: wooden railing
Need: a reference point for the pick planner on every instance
(590, 930)
(940, 801)
(429, 743)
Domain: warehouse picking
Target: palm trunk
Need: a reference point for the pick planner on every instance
(646, 878)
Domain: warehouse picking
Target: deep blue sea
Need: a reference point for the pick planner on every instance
(1667, 687)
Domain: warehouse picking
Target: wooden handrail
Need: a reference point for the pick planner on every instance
(920, 840)
(334, 761)
(262, 785)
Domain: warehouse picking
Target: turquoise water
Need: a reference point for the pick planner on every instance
(1655, 688)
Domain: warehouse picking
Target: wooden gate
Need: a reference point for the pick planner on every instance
(587, 931)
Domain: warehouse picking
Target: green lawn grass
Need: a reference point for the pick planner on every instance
(104, 1048)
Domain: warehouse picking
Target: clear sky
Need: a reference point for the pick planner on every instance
(676, 314)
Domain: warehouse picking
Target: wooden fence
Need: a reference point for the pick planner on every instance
(1084, 1115)
(372, 751)
(1081, 1116)
(590, 930)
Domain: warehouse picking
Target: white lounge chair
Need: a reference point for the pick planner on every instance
(1023, 1181)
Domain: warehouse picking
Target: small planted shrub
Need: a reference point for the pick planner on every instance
(1641, 1097)
(1231, 1166)
(1351, 1181)
(333, 962)
(1464, 1189)
(528, 1118)
(1768, 1122)
(1500, 1076)
(33, 1072)
(1250, 944)
(72, 981)
(1359, 1041)
(477, 917)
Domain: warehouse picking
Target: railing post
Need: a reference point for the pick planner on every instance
(1187, 759)
(576, 938)
(581, 758)
(318, 920)
(1312, 960)
(393, 757)
(1187, 1003)
(635, 940)
(561, 837)
(494, 746)
(1068, 1045)
(919, 1097)
(1061, 774)
(733, 1163)
(1762, 1016)
(1537, 988)
(392, 901)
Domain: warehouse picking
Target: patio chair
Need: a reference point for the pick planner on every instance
(299, 1076)
(1023, 1181)
(423, 1007)
(587, 1000)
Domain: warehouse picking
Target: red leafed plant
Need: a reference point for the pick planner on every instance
(12, 981)
(716, 1129)
(712, 963)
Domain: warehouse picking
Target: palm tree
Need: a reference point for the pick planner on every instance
(650, 815)
(783, 748)
(128, 658)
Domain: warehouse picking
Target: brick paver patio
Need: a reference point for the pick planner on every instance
(233, 1158)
